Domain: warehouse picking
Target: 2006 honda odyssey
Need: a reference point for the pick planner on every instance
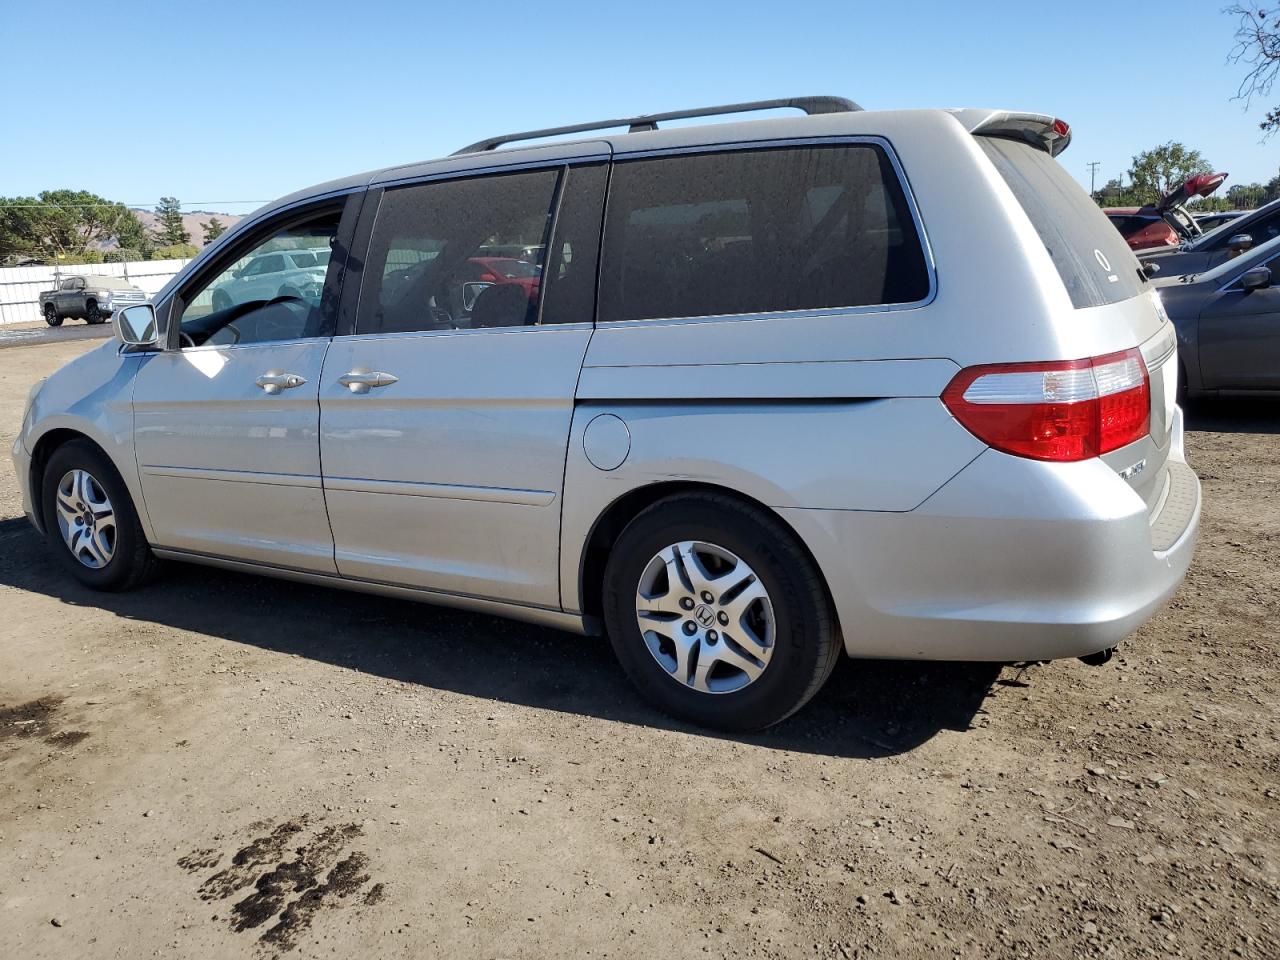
(746, 394)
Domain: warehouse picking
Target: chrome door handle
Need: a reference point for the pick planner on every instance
(361, 381)
(274, 382)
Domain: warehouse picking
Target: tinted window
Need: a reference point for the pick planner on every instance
(1262, 229)
(250, 299)
(571, 290)
(757, 231)
(1071, 226)
(431, 240)
(1129, 225)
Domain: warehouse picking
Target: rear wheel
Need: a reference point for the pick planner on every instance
(90, 521)
(717, 613)
(51, 315)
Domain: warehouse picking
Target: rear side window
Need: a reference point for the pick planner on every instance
(1096, 265)
(758, 231)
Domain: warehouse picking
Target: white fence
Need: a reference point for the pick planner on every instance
(20, 287)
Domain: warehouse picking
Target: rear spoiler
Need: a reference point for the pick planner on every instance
(1038, 129)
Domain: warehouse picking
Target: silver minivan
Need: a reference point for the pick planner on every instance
(742, 395)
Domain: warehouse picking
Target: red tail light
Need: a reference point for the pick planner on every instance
(1060, 410)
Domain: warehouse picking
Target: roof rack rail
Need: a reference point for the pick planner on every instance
(810, 105)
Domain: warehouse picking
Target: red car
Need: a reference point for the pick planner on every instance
(1167, 223)
(501, 270)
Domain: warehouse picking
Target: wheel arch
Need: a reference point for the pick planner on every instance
(43, 449)
(622, 510)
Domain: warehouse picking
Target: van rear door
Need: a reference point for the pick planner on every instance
(1100, 273)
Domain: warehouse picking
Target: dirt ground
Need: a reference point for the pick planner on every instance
(223, 766)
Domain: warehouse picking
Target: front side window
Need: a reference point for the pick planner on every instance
(1261, 230)
(263, 295)
(458, 254)
(758, 231)
(68, 284)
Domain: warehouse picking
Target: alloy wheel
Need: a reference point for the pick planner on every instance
(86, 519)
(706, 617)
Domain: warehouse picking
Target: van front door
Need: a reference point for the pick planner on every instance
(226, 419)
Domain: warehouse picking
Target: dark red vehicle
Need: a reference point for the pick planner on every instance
(1168, 222)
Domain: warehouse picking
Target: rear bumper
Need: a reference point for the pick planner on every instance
(1011, 560)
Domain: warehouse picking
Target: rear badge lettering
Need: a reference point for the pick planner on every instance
(1133, 471)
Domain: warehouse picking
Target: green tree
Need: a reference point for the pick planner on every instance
(1272, 190)
(1258, 48)
(1157, 171)
(213, 228)
(60, 223)
(175, 251)
(132, 234)
(171, 231)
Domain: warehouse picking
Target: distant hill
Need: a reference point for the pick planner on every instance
(191, 222)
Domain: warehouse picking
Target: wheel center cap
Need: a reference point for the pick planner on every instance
(705, 615)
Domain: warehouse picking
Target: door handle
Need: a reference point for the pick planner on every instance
(274, 382)
(361, 381)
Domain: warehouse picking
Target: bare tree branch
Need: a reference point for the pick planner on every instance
(1257, 46)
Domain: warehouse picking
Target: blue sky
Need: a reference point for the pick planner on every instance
(248, 101)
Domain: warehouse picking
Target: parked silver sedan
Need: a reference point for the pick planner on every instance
(885, 383)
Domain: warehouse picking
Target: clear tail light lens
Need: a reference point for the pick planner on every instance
(1059, 410)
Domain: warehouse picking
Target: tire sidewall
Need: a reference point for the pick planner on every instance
(797, 616)
(81, 455)
(51, 317)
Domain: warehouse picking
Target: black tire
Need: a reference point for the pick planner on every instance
(51, 315)
(92, 313)
(221, 300)
(807, 642)
(132, 563)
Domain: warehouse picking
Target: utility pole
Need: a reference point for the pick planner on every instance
(1093, 172)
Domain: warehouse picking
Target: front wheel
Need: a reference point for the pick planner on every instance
(717, 613)
(51, 315)
(90, 521)
(93, 314)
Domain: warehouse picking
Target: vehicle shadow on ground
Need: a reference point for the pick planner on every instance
(868, 709)
(1234, 415)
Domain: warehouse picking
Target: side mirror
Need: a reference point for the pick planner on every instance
(1256, 279)
(136, 326)
(1241, 241)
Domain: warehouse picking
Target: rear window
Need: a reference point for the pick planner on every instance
(1129, 225)
(1096, 265)
(758, 231)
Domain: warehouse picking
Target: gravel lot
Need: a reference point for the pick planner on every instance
(220, 765)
